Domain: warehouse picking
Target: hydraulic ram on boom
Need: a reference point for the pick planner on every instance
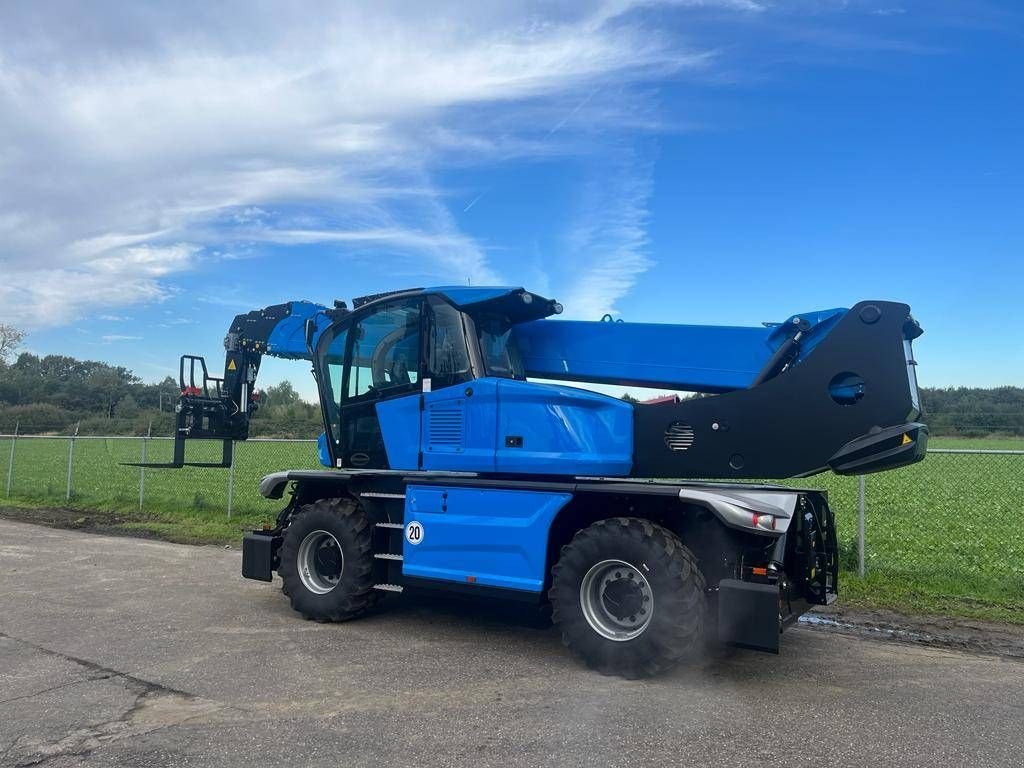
(449, 466)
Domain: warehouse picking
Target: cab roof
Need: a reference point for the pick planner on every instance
(518, 304)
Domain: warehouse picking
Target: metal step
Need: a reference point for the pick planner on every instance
(396, 526)
(381, 495)
(387, 556)
(388, 587)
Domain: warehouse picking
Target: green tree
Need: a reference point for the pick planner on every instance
(126, 408)
(10, 339)
(283, 394)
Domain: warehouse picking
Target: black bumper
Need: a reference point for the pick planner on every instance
(749, 614)
(753, 615)
(886, 449)
(259, 555)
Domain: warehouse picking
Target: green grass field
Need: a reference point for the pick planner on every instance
(188, 505)
(979, 443)
(944, 536)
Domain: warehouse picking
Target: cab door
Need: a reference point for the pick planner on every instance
(459, 413)
(382, 363)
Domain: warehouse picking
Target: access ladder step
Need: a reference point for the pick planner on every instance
(387, 556)
(396, 526)
(388, 587)
(381, 495)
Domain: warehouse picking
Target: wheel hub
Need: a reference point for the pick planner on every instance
(616, 600)
(622, 598)
(321, 562)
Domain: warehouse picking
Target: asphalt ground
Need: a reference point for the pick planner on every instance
(127, 652)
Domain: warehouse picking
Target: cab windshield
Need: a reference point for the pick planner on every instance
(498, 348)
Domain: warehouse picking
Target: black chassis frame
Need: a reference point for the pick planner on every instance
(758, 582)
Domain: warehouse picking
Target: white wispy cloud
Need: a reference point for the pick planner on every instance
(33, 296)
(605, 249)
(137, 139)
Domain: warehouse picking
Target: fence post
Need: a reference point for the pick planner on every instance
(10, 461)
(71, 460)
(860, 525)
(231, 479)
(142, 469)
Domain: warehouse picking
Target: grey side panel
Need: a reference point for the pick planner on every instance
(735, 507)
(272, 486)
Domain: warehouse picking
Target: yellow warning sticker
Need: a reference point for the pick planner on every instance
(231, 366)
(906, 440)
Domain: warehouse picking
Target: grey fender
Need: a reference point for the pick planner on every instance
(272, 486)
(736, 507)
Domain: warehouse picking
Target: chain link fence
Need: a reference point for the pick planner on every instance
(950, 525)
(95, 473)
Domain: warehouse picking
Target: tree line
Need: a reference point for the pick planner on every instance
(57, 394)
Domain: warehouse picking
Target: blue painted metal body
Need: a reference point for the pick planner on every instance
(288, 339)
(491, 537)
(499, 537)
(322, 451)
(465, 296)
(460, 430)
(564, 430)
(694, 357)
(504, 425)
(702, 358)
(512, 426)
(400, 427)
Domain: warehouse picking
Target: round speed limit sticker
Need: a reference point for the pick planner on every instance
(414, 532)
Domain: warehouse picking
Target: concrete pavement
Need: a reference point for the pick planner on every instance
(123, 652)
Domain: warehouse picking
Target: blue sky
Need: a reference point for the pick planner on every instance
(703, 161)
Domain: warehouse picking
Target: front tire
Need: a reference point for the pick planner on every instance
(628, 597)
(327, 561)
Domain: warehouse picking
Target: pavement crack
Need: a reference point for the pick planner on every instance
(154, 707)
(52, 688)
(93, 666)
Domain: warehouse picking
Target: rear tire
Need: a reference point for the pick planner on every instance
(327, 561)
(628, 598)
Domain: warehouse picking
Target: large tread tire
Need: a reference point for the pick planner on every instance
(354, 593)
(676, 628)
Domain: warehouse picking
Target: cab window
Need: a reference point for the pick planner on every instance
(447, 351)
(384, 360)
(333, 368)
(497, 347)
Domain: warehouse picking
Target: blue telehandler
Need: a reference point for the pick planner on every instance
(457, 456)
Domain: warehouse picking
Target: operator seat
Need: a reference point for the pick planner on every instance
(399, 371)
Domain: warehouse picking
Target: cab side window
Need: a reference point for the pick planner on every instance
(333, 369)
(384, 359)
(447, 351)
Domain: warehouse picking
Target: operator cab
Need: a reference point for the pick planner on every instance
(377, 363)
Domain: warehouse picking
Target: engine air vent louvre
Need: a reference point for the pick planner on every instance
(444, 425)
(679, 436)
